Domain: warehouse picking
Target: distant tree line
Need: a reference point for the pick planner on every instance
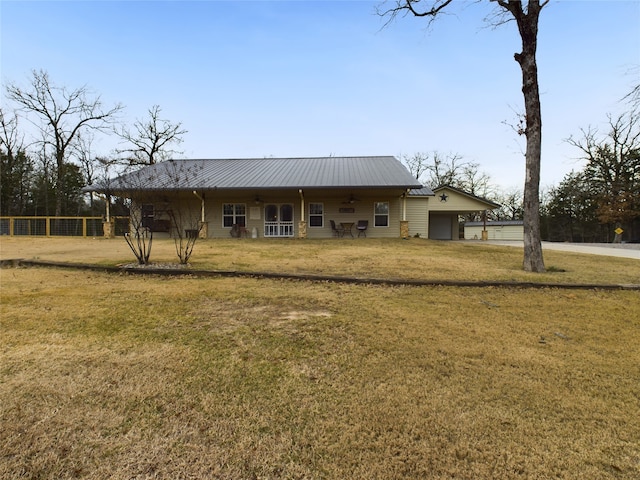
(44, 173)
(603, 198)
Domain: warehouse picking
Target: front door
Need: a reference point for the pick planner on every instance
(278, 220)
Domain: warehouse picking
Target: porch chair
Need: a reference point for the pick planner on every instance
(362, 227)
(337, 231)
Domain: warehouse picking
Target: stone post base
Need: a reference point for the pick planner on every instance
(204, 230)
(109, 229)
(302, 229)
(404, 229)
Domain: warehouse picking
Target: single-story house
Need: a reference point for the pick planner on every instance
(290, 197)
(496, 230)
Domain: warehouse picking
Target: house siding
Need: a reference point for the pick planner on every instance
(363, 209)
(455, 203)
(495, 232)
(418, 216)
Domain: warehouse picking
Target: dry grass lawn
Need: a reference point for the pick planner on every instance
(385, 258)
(116, 376)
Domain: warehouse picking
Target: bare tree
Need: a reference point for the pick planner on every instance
(83, 152)
(633, 97)
(418, 164)
(15, 166)
(437, 169)
(151, 140)
(510, 205)
(445, 170)
(613, 168)
(10, 138)
(61, 114)
(152, 209)
(476, 182)
(526, 15)
(183, 211)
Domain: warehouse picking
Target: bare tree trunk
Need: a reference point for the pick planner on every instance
(533, 261)
(60, 190)
(528, 27)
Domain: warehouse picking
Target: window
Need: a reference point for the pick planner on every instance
(147, 215)
(286, 213)
(381, 214)
(316, 214)
(271, 213)
(234, 214)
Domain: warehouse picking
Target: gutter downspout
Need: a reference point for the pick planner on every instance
(404, 205)
(301, 204)
(201, 198)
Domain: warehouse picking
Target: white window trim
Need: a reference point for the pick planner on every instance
(388, 215)
(316, 215)
(234, 214)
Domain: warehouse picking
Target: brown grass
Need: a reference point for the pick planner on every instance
(114, 376)
(387, 258)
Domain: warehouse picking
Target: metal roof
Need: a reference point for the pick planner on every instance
(495, 223)
(260, 173)
(422, 192)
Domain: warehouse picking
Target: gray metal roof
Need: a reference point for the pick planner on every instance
(422, 192)
(260, 173)
(495, 223)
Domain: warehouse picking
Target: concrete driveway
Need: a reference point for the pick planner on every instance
(625, 250)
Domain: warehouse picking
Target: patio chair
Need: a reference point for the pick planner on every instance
(362, 227)
(337, 231)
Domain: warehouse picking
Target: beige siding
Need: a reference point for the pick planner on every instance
(363, 209)
(506, 232)
(418, 216)
(456, 202)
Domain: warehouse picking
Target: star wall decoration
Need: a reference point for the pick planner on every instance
(444, 197)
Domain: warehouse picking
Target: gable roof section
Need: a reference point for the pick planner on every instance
(468, 195)
(262, 173)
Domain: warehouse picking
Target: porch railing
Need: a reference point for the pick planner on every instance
(278, 229)
(59, 226)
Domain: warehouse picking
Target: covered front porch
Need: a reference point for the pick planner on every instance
(300, 213)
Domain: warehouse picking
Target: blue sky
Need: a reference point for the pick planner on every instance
(315, 78)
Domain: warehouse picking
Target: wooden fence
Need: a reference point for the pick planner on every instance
(59, 226)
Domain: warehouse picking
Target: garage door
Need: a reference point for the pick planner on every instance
(440, 227)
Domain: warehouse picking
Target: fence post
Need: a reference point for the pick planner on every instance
(47, 226)
(109, 228)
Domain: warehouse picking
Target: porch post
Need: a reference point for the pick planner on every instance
(108, 229)
(404, 224)
(404, 229)
(203, 226)
(108, 226)
(302, 226)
